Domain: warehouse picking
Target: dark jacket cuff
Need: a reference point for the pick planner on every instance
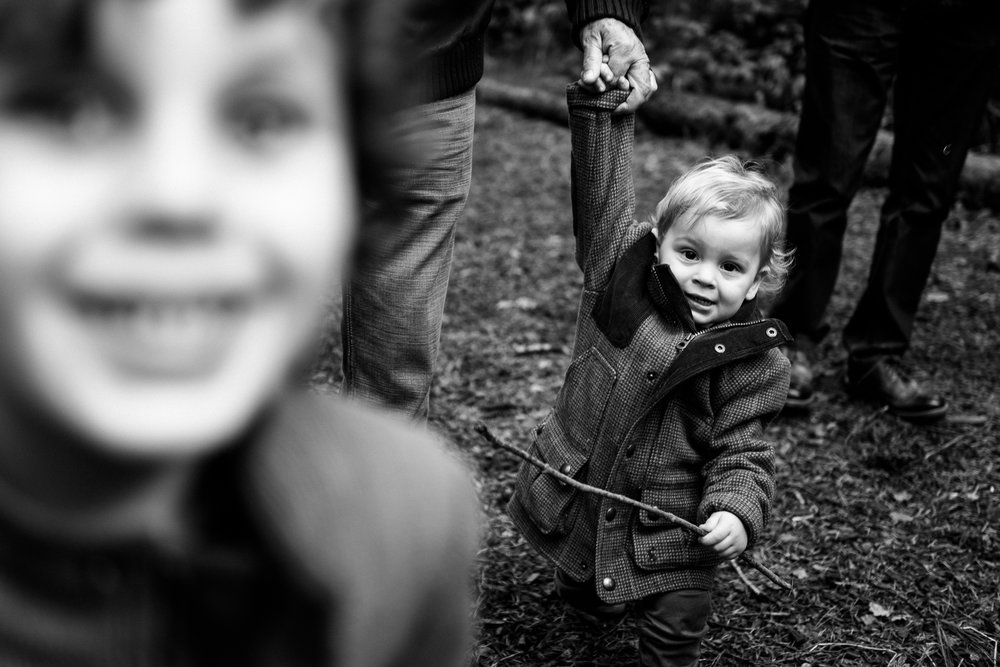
(630, 12)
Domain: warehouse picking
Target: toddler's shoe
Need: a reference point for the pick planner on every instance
(584, 601)
(879, 380)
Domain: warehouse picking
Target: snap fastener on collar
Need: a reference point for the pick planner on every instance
(720, 348)
(771, 332)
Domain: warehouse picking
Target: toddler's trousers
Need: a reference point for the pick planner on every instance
(670, 627)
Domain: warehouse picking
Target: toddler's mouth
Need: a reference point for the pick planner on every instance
(700, 300)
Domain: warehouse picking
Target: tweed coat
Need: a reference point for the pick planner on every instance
(650, 407)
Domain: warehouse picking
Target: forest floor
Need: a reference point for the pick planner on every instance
(887, 531)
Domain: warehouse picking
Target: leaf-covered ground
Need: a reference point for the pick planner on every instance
(888, 531)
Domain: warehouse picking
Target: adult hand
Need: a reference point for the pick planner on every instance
(726, 534)
(613, 56)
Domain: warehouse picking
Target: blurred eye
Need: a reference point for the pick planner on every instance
(732, 267)
(262, 122)
(80, 112)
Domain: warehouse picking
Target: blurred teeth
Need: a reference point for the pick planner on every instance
(176, 317)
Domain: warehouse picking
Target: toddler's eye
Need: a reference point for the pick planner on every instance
(262, 121)
(732, 267)
(689, 254)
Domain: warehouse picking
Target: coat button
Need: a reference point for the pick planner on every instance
(610, 514)
(720, 348)
(630, 449)
(566, 469)
(946, 150)
(771, 332)
(608, 583)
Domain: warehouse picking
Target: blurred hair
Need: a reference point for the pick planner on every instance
(730, 189)
(47, 36)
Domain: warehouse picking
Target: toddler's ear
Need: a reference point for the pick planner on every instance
(752, 292)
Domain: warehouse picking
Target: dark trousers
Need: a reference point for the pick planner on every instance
(670, 625)
(940, 62)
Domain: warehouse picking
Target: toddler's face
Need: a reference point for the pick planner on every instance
(716, 262)
(170, 218)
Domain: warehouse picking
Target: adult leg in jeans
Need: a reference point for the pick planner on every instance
(671, 626)
(948, 66)
(851, 55)
(394, 300)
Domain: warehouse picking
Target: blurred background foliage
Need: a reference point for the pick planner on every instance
(740, 50)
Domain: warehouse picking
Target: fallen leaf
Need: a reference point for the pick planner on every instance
(937, 297)
(877, 610)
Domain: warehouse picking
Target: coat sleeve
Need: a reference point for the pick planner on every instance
(602, 188)
(630, 12)
(739, 475)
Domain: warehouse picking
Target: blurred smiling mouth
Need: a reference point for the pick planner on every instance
(163, 336)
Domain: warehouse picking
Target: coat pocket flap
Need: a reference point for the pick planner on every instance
(680, 497)
(547, 498)
(660, 544)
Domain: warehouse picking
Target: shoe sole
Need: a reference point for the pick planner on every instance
(800, 403)
(922, 417)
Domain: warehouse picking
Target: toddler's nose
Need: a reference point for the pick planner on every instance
(705, 276)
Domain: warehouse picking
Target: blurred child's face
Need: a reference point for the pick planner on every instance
(170, 219)
(716, 262)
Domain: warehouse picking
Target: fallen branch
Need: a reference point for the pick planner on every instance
(739, 126)
(484, 431)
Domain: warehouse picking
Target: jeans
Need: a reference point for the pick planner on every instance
(940, 63)
(394, 299)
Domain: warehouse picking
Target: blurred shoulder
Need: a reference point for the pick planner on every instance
(325, 468)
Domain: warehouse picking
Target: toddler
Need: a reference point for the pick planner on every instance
(674, 376)
(178, 186)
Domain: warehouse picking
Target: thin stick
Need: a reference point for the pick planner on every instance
(484, 431)
(746, 582)
(847, 645)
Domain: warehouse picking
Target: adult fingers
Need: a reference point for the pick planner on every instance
(642, 85)
(593, 58)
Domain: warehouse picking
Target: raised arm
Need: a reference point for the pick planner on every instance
(612, 29)
(602, 188)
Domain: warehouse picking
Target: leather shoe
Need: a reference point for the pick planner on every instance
(800, 385)
(880, 381)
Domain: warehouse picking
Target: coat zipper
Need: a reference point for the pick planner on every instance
(733, 325)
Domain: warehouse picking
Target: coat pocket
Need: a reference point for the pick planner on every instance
(584, 397)
(658, 544)
(549, 501)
